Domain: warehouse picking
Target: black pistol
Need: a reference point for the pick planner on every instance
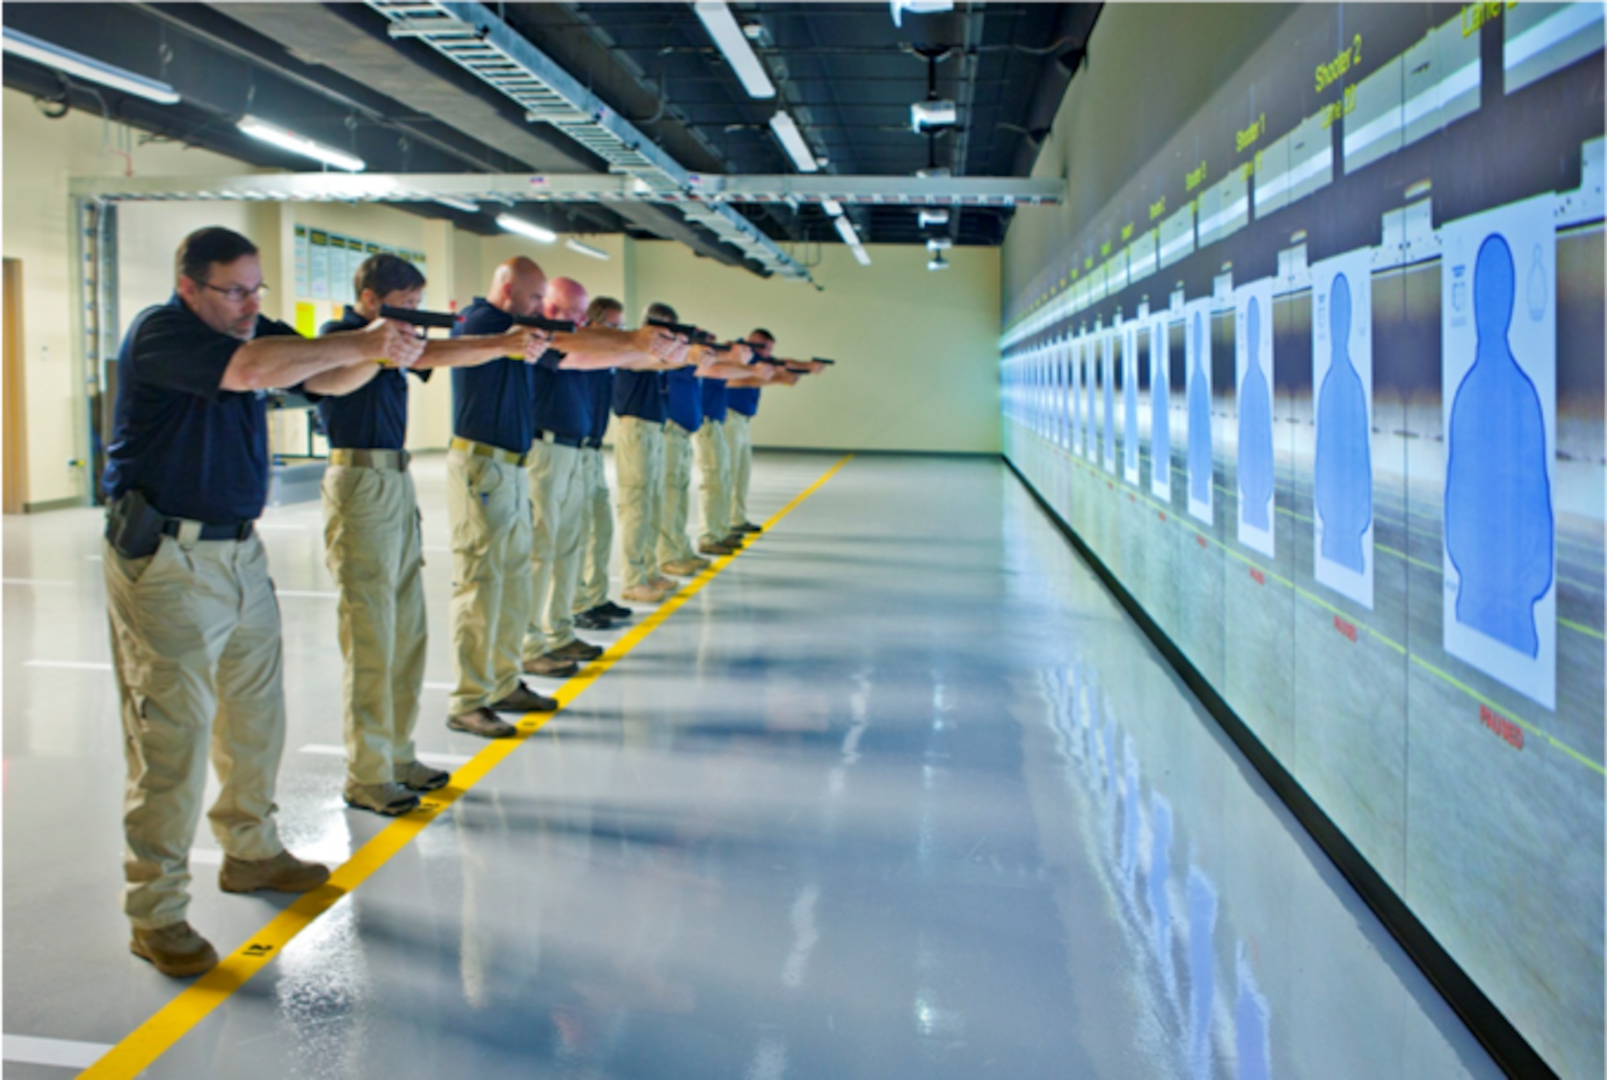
(541, 322)
(441, 320)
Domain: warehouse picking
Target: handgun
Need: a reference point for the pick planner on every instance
(822, 360)
(442, 320)
(693, 334)
(541, 322)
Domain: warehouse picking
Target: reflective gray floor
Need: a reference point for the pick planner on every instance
(900, 793)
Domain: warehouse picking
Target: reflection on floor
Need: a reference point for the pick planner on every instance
(901, 792)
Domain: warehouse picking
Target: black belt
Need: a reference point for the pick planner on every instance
(592, 444)
(240, 530)
(562, 440)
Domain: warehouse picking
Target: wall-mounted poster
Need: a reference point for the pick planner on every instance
(318, 265)
(1090, 448)
(1499, 364)
(1160, 436)
(1130, 401)
(1252, 314)
(1107, 375)
(1197, 355)
(1342, 381)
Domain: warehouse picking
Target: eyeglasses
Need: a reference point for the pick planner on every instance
(236, 293)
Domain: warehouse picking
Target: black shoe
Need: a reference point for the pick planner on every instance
(522, 700)
(611, 610)
(747, 527)
(593, 620)
(482, 722)
(550, 667)
(577, 650)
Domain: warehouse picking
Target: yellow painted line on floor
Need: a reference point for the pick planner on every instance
(193, 1004)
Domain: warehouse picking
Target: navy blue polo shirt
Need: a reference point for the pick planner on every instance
(683, 401)
(491, 402)
(602, 399)
(194, 449)
(374, 416)
(560, 401)
(639, 394)
(714, 400)
(742, 399)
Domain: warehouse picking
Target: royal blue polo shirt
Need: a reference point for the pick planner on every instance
(491, 401)
(742, 399)
(374, 416)
(683, 401)
(639, 394)
(713, 400)
(194, 449)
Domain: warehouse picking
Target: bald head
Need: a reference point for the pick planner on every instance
(566, 299)
(517, 286)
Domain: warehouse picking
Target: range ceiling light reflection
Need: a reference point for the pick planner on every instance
(733, 44)
(918, 7)
(88, 68)
(845, 229)
(832, 207)
(861, 254)
(932, 217)
(585, 249)
(792, 141)
(285, 139)
(509, 223)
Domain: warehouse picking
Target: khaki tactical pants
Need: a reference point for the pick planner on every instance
(597, 529)
(374, 552)
(489, 507)
(739, 445)
(673, 545)
(555, 553)
(195, 644)
(714, 470)
(639, 464)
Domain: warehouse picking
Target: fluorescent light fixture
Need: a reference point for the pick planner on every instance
(733, 43)
(299, 144)
(939, 172)
(832, 207)
(918, 7)
(792, 141)
(936, 113)
(937, 262)
(88, 68)
(861, 254)
(845, 229)
(509, 223)
(466, 206)
(585, 249)
(932, 217)
(938, 243)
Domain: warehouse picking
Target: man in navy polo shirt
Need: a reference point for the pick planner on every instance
(371, 533)
(714, 468)
(194, 622)
(488, 498)
(593, 609)
(742, 402)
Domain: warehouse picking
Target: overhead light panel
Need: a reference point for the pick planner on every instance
(937, 262)
(932, 217)
(938, 243)
(464, 206)
(285, 139)
(509, 223)
(845, 229)
(933, 113)
(918, 7)
(861, 254)
(88, 68)
(733, 44)
(792, 141)
(832, 207)
(585, 249)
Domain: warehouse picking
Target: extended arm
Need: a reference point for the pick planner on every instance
(271, 362)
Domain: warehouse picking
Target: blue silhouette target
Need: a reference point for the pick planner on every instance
(1342, 475)
(1197, 348)
(1160, 427)
(1253, 349)
(1499, 367)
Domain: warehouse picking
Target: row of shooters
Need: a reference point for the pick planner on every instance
(195, 630)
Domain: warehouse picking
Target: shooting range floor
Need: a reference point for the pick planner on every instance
(899, 792)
